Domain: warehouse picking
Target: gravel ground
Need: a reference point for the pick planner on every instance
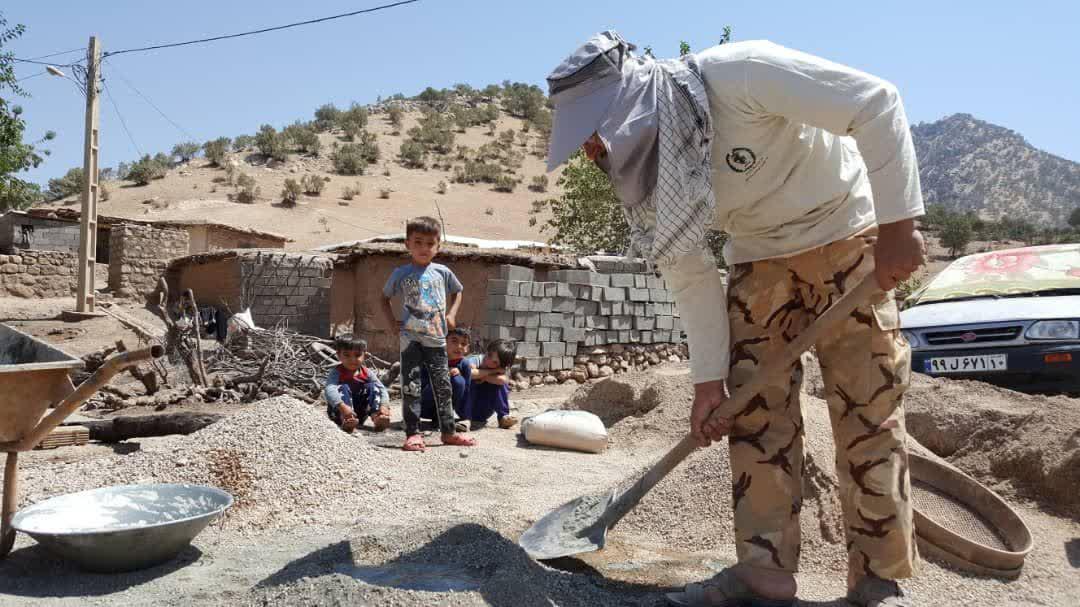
(332, 519)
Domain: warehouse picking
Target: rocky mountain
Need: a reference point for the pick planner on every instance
(968, 164)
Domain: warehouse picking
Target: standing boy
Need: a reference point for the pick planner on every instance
(353, 392)
(424, 288)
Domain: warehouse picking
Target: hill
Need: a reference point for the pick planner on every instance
(965, 164)
(968, 164)
(198, 190)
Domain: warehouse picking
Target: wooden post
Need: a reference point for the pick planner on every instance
(85, 300)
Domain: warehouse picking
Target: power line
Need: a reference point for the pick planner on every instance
(42, 73)
(34, 62)
(261, 31)
(74, 50)
(127, 82)
(122, 122)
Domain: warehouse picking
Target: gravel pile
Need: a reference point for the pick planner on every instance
(283, 460)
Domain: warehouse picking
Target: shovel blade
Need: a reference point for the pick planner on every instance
(565, 532)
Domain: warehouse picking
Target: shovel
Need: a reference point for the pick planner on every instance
(581, 525)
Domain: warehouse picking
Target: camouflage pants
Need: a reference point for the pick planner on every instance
(865, 365)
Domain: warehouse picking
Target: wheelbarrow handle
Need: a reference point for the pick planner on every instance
(765, 374)
(112, 365)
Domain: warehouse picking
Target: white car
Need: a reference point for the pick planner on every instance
(1008, 317)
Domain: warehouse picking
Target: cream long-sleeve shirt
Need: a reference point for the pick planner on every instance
(806, 152)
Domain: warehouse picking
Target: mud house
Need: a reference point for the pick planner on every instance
(291, 289)
(49, 229)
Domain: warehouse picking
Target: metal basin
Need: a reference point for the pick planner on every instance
(123, 528)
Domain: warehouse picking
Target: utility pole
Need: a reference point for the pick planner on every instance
(85, 304)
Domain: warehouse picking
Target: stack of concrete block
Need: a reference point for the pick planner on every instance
(553, 319)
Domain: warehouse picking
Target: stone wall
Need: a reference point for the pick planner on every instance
(288, 288)
(19, 232)
(34, 274)
(139, 255)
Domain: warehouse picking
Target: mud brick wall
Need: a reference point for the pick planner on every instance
(290, 289)
(33, 274)
(566, 316)
(139, 255)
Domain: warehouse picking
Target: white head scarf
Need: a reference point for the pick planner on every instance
(656, 126)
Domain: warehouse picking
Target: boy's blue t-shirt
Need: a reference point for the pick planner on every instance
(423, 293)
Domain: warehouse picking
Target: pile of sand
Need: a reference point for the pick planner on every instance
(1016, 443)
(691, 508)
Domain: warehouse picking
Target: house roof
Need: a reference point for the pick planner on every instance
(465, 241)
(456, 252)
(73, 215)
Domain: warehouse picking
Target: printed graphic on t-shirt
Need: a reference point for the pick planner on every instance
(424, 297)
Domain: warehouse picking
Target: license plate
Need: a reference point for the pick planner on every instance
(967, 364)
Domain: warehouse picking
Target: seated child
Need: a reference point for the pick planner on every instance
(489, 392)
(353, 393)
(461, 368)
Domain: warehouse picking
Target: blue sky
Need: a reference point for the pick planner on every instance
(1014, 64)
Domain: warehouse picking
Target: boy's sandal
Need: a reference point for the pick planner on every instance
(458, 440)
(460, 426)
(414, 443)
(723, 590)
(507, 422)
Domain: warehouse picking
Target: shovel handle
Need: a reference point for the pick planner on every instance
(767, 373)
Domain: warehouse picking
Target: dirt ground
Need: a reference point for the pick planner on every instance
(366, 524)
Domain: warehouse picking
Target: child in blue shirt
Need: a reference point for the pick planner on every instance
(426, 288)
(353, 392)
(490, 392)
(461, 367)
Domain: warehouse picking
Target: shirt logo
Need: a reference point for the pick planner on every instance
(741, 160)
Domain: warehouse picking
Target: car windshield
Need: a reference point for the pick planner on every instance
(1027, 272)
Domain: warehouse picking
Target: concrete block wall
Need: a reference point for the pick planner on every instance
(567, 314)
(20, 232)
(139, 255)
(36, 274)
(288, 288)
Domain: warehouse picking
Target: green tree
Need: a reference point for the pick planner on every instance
(186, 150)
(215, 150)
(684, 48)
(326, 117)
(1074, 218)
(146, 170)
(588, 216)
(68, 185)
(956, 234)
(16, 155)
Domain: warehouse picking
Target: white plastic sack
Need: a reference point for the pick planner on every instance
(577, 430)
(240, 322)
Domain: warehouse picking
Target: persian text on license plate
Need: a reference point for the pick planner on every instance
(967, 364)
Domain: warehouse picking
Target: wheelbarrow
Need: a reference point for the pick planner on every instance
(33, 377)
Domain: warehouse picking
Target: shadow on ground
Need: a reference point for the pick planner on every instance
(464, 558)
(35, 572)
